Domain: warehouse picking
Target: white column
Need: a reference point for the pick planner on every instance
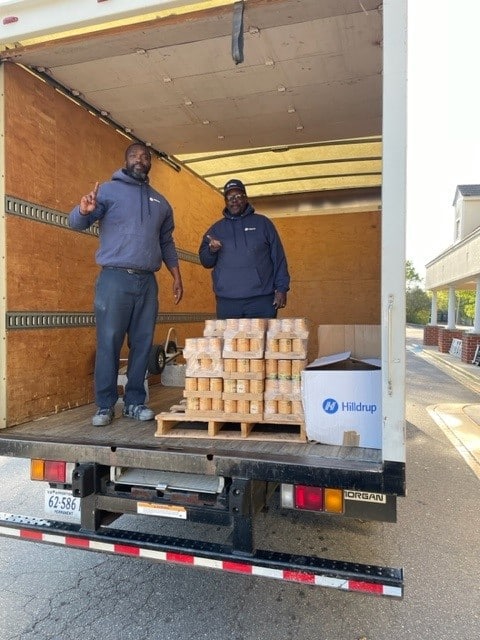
(452, 308)
(476, 317)
(434, 311)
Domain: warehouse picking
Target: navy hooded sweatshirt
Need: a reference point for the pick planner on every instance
(135, 224)
(251, 261)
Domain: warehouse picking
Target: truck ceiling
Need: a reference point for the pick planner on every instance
(302, 113)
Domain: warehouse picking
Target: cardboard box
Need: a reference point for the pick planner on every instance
(342, 401)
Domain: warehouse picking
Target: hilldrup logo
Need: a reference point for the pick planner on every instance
(331, 406)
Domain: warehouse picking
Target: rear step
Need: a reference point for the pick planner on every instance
(312, 570)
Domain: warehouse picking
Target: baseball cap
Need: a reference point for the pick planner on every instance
(234, 184)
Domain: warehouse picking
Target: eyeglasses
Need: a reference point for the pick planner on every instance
(235, 198)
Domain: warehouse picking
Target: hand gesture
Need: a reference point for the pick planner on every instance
(88, 203)
(214, 245)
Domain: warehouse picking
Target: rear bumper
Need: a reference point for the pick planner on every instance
(311, 570)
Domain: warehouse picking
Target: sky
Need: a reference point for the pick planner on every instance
(443, 119)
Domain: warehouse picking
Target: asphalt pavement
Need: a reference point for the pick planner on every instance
(460, 423)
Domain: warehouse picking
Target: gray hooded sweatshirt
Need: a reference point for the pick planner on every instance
(135, 224)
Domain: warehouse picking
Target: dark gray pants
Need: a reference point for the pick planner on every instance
(256, 307)
(125, 305)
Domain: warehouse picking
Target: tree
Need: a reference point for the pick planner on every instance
(417, 306)
(411, 275)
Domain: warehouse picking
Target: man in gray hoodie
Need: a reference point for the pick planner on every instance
(136, 235)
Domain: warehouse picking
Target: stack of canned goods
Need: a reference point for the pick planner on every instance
(247, 367)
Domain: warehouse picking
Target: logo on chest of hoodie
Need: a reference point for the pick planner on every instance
(153, 199)
(250, 229)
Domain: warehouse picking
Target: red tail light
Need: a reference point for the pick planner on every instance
(309, 498)
(55, 471)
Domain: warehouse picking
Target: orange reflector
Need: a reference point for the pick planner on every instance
(55, 471)
(37, 469)
(309, 498)
(334, 500)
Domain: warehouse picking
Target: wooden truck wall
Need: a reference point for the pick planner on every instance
(55, 151)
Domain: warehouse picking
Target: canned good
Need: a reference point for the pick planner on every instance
(243, 386)
(284, 407)
(288, 324)
(215, 345)
(217, 404)
(271, 367)
(300, 325)
(256, 407)
(231, 324)
(229, 365)
(243, 406)
(297, 367)
(243, 365)
(203, 384)
(258, 324)
(202, 345)
(274, 325)
(216, 384)
(205, 364)
(257, 365)
(297, 408)
(270, 406)
(285, 386)
(244, 324)
(191, 384)
(271, 385)
(255, 344)
(205, 404)
(243, 344)
(193, 404)
(230, 386)
(256, 386)
(297, 345)
(284, 368)
(230, 406)
(285, 345)
(272, 344)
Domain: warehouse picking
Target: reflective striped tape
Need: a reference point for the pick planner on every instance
(177, 557)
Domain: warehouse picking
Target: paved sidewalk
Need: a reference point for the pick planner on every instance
(460, 423)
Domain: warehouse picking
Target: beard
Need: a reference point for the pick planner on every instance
(138, 174)
(137, 171)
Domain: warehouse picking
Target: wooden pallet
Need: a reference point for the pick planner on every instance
(230, 426)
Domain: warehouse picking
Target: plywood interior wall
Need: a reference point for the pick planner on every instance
(55, 152)
(362, 340)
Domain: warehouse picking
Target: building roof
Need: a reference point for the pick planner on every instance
(466, 190)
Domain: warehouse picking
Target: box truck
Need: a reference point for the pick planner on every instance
(306, 103)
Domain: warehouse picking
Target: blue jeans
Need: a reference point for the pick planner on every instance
(125, 305)
(256, 307)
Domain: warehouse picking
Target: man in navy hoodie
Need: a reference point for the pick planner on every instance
(250, 273)
(135, 228)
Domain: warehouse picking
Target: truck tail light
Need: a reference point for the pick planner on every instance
(324, 499)
(49, 470)
(37, 469)
(309, 498)
(333, 500)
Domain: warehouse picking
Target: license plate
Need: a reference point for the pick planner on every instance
(61, 503)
